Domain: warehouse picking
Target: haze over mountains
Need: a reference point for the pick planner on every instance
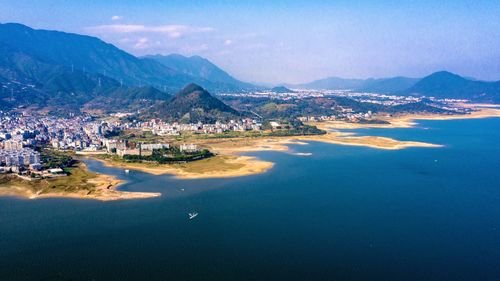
(197, 66)
(440, 84)
(64, 72)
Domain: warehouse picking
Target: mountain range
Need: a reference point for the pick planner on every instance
(442, 84)
(65, 71)
(384, 85)
(197, 66)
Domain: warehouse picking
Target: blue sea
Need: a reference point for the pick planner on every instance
(343, 213)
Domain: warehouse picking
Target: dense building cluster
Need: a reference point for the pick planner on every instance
(163, 128)
(21, 134)
(345, 116)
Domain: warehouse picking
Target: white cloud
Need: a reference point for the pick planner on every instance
(228, 42)
(142, 43)
(116, 17)
(173, 31)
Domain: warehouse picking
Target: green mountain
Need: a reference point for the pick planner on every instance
(192, 104)
(65, 72)
(128, 99)
(281, 89)
(444, 84)
(197, 66)
(440, 84)
(28, 81)
(91, 55)
(83, 53)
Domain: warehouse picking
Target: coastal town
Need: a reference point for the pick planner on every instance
(24, 137)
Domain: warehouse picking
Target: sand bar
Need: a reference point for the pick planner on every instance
(220, 166)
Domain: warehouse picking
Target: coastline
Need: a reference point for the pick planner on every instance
(409, 120)
(228, 161)
(219, 166)
(97, 187)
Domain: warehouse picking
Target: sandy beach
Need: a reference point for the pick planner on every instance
(236, 146)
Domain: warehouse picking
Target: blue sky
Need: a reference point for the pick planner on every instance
(290, 41)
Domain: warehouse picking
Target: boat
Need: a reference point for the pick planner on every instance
(127, 171)
(192, 215)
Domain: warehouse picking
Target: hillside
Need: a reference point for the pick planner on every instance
(127, 99)
(27, 81)
(30, 81)
(83, 53)
(190, 105)
(90, 55)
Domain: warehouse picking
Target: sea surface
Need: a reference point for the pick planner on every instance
(343, 213)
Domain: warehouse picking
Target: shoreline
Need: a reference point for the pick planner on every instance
(219, 166)
(409, 120)
(228, 161)
(104, 188)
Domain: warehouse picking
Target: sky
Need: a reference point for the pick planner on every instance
(289, 41)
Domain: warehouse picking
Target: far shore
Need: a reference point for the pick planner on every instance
(409, 120)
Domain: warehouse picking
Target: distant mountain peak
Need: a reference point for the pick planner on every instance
(192, 104)
(281, 89)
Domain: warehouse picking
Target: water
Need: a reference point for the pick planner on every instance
(344, 213)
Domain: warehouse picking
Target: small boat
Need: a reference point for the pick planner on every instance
(192, 215)
(127, 171)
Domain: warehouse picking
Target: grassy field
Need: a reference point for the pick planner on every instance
(77, 180)
(147, 136)
(210, 165)
(200, 166)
